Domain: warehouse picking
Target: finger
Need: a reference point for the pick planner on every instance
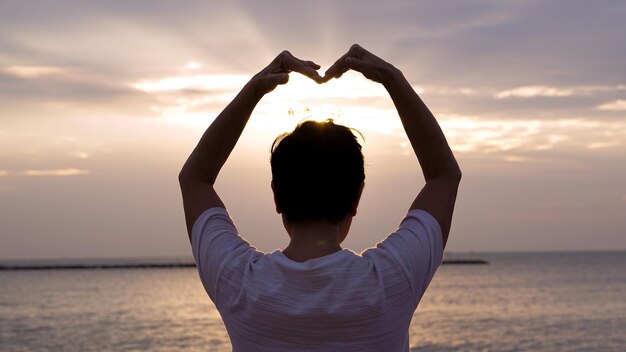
(340, 67)
(370, 70)
(303, 67)
(313, 65)
(337, 69)
(358, 65)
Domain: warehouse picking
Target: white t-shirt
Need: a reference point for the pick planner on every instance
(339, 302)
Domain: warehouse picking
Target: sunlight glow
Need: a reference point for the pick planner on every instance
(196, 99)
(352, 100)
(349, 86)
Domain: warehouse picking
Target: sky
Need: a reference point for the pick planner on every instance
(102, 101)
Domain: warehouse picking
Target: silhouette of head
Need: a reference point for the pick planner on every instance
(317, 172)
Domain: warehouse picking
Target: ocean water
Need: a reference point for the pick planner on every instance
(519, 302)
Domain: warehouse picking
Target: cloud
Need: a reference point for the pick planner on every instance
(449, 90)
(617, 105)
(192, 65)
(548, 91)
(516, 159)
(80, 154)
(3, 173)
(31, 71)
(469, 134)
(42, 90)
(207, 83)
(598, 145)
(55, 172)
(533, 91)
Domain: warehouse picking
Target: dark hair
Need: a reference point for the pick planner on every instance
(317, 171)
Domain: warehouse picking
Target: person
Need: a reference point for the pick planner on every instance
(314, 295)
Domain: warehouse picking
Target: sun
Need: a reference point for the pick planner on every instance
(351, 100)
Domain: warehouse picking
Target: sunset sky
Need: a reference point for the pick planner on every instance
(102, 101)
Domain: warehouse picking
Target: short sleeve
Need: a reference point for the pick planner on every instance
(216, 245)
(417, 246)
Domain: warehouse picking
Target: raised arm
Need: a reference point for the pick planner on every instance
(441, 171)
(205, 162)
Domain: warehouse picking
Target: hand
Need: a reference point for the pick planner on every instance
(277, 72)
(361, 60)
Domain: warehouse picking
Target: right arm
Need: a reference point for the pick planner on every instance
(440, 169)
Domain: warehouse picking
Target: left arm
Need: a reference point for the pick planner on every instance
(200, 171)
(441, 171)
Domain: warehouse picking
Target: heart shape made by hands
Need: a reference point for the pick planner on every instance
(357, 59)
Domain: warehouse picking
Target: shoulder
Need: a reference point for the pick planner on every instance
(415, 249)
(418, 228)
(212, 219)
(421, 222)
(218, 249)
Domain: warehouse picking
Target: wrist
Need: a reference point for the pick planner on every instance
(392, 78)
(253, 90)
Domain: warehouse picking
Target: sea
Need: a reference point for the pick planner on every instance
(568, 301)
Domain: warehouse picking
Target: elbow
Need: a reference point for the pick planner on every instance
(451, 172)
(186, 174)
(182, 176)
(189, 175)
(455, 173)
(452, 176)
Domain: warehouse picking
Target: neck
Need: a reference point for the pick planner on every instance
(312, 239)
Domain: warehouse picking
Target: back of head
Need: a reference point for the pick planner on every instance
(317, 171)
